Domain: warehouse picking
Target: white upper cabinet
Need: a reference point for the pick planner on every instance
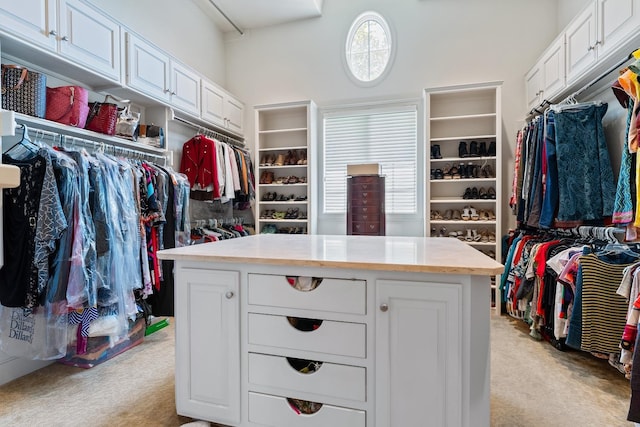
(602, 28)
(154, 73)
(618, 19)
(547, 77)
(147, 68)
(32, 20)
(581, 37)
(221, 108)
(71, 28)
(89, 38)
(185, 88)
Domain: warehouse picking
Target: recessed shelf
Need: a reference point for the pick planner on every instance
(462, 138)
(461, 159)
(463, 117)
(272, 131)
(297, 147)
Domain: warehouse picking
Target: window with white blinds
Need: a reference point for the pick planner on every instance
(384, 135)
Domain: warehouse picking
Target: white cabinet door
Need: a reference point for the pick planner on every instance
(618, 20)
(185, 88)
(89, 38)
(213, 100)
(553, 69)
(147, 68)
(221, 108)
(533, 86)
(581, 43)
(208, 344)
(33, 20)
(418, 354)
(234, 114)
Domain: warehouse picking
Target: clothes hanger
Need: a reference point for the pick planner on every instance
(25, 148)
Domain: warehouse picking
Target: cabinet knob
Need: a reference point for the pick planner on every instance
(229, 295)
(65, 39)
(53, 33)
(384, 307)
(173, 93)
(166, 91)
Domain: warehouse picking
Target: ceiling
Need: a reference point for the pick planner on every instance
(248, 14)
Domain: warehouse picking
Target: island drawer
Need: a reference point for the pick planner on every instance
(333, 295)
(322, 336)
(328, 379)
(275, 411)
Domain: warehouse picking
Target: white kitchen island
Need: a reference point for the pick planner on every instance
(395, 332)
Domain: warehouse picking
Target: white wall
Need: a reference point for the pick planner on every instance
(180, 28)
(567, 10)
(440, 42)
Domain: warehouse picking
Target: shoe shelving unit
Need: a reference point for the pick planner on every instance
(285, 135)
(455, 118)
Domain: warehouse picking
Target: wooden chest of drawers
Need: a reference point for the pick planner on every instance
(365, 205)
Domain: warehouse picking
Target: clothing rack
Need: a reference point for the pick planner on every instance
(232, 140)
(540, 108)
(67, 140)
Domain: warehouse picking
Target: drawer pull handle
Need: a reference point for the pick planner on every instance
(303, 406)
(304, 283)
(384, 307)
(229, 295)
(304, 366)
(304, 325)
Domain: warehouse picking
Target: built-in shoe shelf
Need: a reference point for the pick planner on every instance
(464, 163)
(284, 135)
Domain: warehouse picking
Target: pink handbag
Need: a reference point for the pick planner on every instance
(68, 105)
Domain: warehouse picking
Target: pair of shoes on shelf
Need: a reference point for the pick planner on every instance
(266, 177)
(451, 172)
(269, 229)
(471, 152)
(292, 213)
(470, 193)
(436, 215)
(269, 197)
(472, 235)
(452, 215)
(267, 160)
(487, 171)
(438, 174)
(470, 213)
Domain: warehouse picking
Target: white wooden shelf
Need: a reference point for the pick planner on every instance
(464, 117)
(290, 130)
(462, 137)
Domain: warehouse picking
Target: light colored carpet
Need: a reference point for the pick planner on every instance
(532, 384)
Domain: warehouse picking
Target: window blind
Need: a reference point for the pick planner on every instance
(385, 135)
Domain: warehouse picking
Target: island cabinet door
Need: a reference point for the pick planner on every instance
(418, 354)
(208, 345)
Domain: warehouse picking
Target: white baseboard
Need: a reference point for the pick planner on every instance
(12, 368)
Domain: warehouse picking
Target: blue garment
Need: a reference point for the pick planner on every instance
(585, 176)
(66, 173)
(535, 194)
(623, 206)
(550, 201)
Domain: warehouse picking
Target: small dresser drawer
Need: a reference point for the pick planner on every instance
(365, 210)
(359, 193)
(330, 379)
(330, 337)
(333, 295)
(364, 202)
(275, 411)
(366, 227)
(366, 217)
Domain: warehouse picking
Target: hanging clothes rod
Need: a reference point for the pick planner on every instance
(239, 143)
(63, 140)
(224, 15)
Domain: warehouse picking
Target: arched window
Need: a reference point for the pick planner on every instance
(369, 47)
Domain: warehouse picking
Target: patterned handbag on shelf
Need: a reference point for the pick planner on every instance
(103, 117)
(23, 90)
